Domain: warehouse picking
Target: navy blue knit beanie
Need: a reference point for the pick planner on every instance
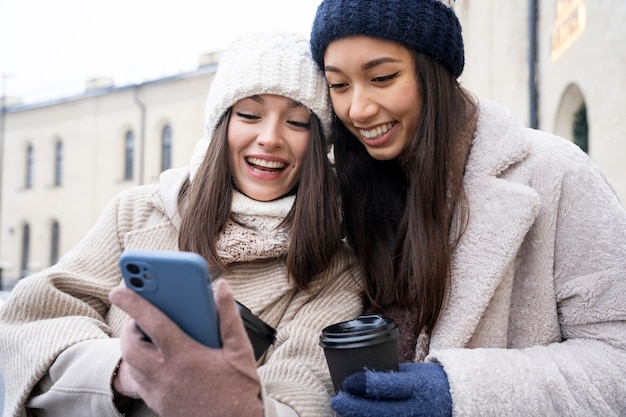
(427, 26)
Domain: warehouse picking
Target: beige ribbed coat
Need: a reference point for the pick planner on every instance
(67, 303)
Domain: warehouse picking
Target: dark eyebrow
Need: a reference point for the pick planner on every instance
(369, 64)
(295, 103)
(257, 98)
(292, 102)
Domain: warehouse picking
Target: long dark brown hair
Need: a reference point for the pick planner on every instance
(314, 222)
(399, 214)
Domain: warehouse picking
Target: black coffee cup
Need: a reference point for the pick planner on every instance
(369, 341)
(261, 334)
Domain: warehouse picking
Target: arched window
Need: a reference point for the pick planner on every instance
(28, 178)
(25, 250)
(571, 118)
(129, 156)
(54, 243)
(580, 129)
(166, 148)
(58, 162)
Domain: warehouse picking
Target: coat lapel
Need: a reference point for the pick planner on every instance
(500, 214)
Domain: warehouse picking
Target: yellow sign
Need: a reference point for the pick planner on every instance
(571, 17)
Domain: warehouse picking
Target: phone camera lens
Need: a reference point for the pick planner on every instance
(132, 268)
(136, 282)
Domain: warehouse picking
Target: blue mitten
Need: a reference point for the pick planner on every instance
(417, 390)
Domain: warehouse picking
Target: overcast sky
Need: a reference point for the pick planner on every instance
(51, 47)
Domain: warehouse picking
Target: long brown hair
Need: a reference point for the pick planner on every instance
(399, 214)
(313, 219)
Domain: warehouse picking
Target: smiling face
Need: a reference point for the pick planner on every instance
(374, 91)
(268, 137)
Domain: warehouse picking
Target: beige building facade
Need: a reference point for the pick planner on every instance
(64, 160)
(575, 52)
(559, 64)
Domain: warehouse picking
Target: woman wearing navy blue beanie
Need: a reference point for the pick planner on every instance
(499, 250)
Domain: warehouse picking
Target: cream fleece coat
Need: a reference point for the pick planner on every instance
(59, 332)
(535, 323)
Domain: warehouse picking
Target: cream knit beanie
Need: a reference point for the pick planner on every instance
(264, 63)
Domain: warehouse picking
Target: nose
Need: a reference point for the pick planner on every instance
(362, 106)
(270, 135)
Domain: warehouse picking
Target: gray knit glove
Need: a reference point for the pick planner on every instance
(179, 377)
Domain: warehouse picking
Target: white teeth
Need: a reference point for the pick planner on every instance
(376, 132)
(265, 163)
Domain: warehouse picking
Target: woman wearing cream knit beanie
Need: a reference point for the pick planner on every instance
(291, 242)
(77, 351)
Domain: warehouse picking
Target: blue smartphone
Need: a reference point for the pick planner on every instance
(178, 284)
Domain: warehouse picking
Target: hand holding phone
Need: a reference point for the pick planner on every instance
(178, 284)
(174, 376)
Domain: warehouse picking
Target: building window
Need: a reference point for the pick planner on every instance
(28, 178)
(58, 162)
(25, 251)
(580, 129)
(54, 243)
(129, 156)
(571, 117)
(166, 148)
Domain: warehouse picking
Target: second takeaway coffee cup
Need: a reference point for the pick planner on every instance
(261, 334)
(369, 341)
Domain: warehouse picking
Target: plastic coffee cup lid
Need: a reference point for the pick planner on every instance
(365, 330)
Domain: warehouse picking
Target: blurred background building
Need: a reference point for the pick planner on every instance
(559, 64)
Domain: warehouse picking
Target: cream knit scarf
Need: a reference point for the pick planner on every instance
(253, 231)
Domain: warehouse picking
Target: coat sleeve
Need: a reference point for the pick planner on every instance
(584, 372)
(52, 310)
(67, 390)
